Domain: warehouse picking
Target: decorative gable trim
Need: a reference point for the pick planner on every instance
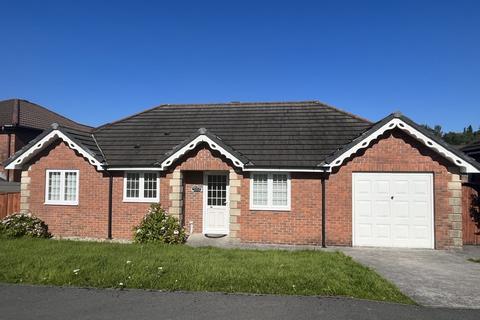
(402, 125)
(192, 144)
(42, 143)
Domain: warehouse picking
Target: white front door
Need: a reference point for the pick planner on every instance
(393, 210)
(216, 209)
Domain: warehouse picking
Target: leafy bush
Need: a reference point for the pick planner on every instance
(23, 225)
(157, 226)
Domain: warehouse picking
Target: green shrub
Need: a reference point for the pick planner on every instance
(157, 226)
(23, 225)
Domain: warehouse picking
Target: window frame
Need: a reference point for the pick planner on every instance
(141, 188)
(269, 206)
(62, 187)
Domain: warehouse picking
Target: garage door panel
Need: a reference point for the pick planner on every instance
(363, 187)
(401, 231)
(381, 231)
(420, 209)
(364, 230)
(381, 208)
(400, 209)
(381, 186)
(364, 208)
(420, 187)
(393, 210)
(400, 187)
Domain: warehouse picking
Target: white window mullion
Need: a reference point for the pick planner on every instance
(270, 190)
(141, 186)
(63, 196)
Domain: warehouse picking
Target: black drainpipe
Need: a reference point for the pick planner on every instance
(324, 223)
(9, 153)
(110, 202)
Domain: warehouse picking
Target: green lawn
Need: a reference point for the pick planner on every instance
(107, 265)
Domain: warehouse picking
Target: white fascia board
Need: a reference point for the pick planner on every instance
(284, 170)
(37, 147)
(402, 125)
(134, 169)
(192, 144)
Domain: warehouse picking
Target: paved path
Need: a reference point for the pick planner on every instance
(430, 277)
(52, 303)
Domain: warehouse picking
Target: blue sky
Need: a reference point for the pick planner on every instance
(102, 60)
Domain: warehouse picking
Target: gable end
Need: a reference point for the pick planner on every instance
(396, 122)
(19, 161)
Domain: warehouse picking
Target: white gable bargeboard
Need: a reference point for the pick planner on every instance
(399, 123)
(40, 145)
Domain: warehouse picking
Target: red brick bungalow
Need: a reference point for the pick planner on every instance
(281, 173)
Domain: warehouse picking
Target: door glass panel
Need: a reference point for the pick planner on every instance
(217, 190)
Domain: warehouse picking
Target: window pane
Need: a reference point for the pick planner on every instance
(54, 185)
(279, 191)
(133, 185)
(217, 190)
(150, 185)
(70, 186)
(260, 189)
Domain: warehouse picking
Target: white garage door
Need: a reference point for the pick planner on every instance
(393, 210)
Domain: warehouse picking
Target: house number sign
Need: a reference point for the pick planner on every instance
(196, 188)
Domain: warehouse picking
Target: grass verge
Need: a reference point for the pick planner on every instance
(113, 265)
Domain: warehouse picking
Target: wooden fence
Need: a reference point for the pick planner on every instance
(9, 203)
(471, 215)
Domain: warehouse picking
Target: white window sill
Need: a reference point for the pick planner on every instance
(270, 209)
(61, 203)
(140, 200)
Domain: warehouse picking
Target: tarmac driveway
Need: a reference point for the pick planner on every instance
(430, 277)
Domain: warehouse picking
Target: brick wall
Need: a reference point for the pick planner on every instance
(89, 217)
(301, 225)
(395, 152)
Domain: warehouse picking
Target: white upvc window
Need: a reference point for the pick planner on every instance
(270, 191)
(141, 186)
(62, 187)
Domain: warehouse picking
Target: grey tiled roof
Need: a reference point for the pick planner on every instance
(293, 134)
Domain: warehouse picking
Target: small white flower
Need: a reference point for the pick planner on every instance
(128, 261)
(120, 284)
(76, 271)
(293, 286)
(175, 232)
(160, 268)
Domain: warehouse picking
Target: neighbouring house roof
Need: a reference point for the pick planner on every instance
(282, 134)
(306, 135)
(472, 148)
(23, 113)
